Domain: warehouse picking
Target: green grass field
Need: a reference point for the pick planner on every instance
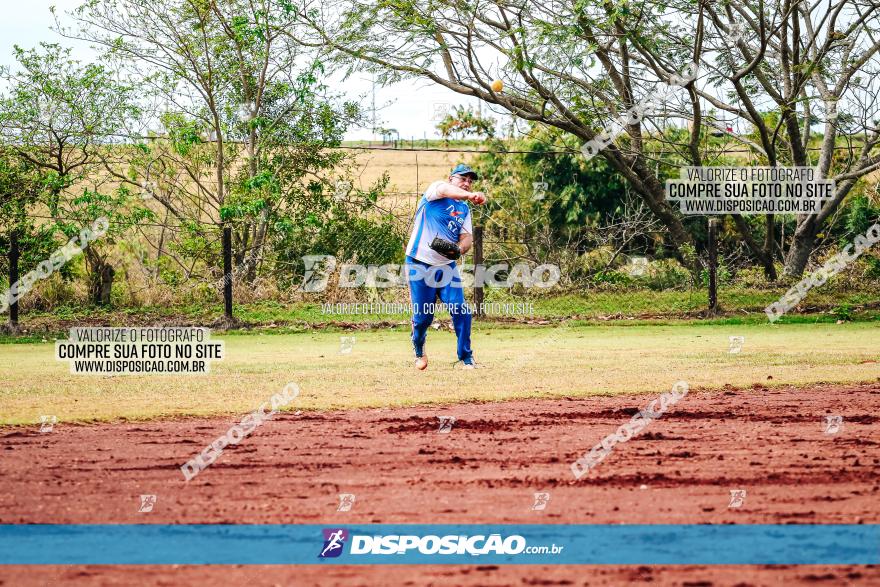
(516, 363)
(739, 306)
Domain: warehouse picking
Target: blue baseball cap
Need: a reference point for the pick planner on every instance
(462, 169)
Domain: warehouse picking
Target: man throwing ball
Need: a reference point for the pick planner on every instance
(442, 232)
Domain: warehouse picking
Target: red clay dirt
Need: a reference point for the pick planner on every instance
(679, 470)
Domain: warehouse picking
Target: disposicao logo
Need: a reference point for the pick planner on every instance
(334, 540)
(473, 545)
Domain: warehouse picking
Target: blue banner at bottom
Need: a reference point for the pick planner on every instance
(372, 544)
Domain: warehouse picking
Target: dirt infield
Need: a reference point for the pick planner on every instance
(681, 469)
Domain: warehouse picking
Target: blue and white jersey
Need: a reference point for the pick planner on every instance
(437, 216)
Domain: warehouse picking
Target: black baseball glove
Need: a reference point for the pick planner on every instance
(448, 249)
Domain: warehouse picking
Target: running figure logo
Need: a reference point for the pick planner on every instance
(346, 500)
(736, 344)
(147, 503)
(441, 109)
(637, 266)
(539, 190)
(833, 424)
(342, 189)
(737, 498)
(334, 539)
(446, 423)
(346, 344)
(47, 423)
(541, 500)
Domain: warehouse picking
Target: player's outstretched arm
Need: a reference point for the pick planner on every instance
(447, 190)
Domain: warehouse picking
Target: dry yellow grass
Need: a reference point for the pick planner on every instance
(410, 171)
(516, 363)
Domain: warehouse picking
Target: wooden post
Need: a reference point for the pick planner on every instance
(478, 260)
(713, 266)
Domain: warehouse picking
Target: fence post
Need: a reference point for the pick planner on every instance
(478, 260)
(713, 266)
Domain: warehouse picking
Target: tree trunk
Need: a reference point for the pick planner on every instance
(653, 193)
(646, 184)
(256, 252)
(799, 252)
(769, 244)
(649, 187)
(13, 277)
(227, 273)
(226, 236)
(241, 240)
(760, 254)
(107, 274)
(101, 278)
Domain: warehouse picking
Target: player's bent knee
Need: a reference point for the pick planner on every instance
(423, 320)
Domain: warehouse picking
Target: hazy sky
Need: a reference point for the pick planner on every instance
(413, 104)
